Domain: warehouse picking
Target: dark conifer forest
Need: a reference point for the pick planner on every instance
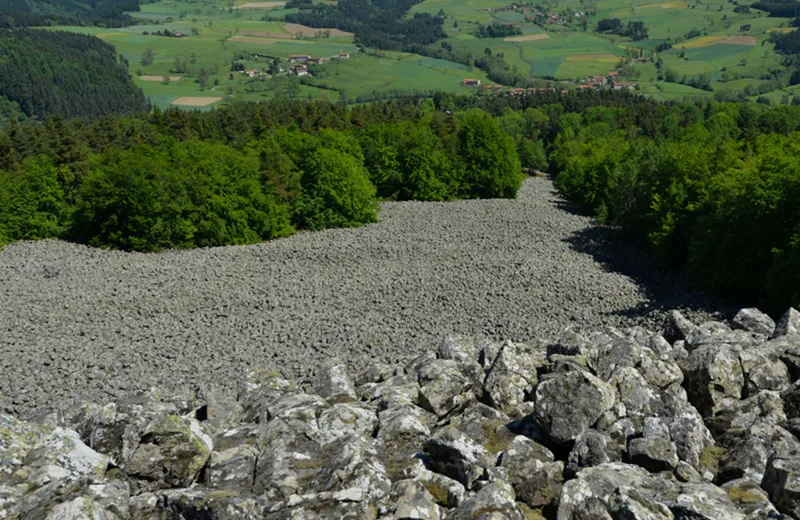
(103, 13)
(45, 73)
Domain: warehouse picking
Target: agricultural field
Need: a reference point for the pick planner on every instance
(710, 42)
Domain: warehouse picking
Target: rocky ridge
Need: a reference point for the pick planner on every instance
(700, 421)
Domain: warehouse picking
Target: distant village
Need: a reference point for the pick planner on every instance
(298, 65)
(532, 14)
(609, 81)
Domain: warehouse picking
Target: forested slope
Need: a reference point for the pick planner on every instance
(105, 13)
(60, 73)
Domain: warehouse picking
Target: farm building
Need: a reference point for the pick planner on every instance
(299, 58)
(469, 82)
(300, 70)
(252, 73)
(343, 55)
(315, 61)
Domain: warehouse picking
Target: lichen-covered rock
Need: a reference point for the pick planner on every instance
(170, 453)
(512, 376)
(457, 455)
(411, 500)
(354, 462)
(445, 388)
(335, 384)
(493, 501)
(714, 378)
(592, 448)
(753, 320)
(347, 418)
(568, 404)
(789, 324)
(653, 454)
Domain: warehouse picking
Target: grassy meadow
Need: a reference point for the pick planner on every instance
(221, 32)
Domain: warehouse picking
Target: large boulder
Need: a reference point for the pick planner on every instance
(512, 376)
(789, 324)
(170, 453)
(335, 385)
(568, 404)
(714, 378)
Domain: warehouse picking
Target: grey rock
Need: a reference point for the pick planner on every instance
(753, 320)
(347, 418)
(653, 454)
(789, 324)
(592, 448)
(410, 500)
(170, 453)
(714, 378)
(445, 388)
(494, 501)
(457, 455)
(512, 376)
(335, 384)
(567, 404)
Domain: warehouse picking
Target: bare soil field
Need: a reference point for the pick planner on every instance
(739, 40)
(241, 39)
(528, 38)
(260, 5)
(598, 57)
(159, 78)
(267, 34)
(192, 101)
(295, 28)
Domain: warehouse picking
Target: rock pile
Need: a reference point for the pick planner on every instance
(114, 323)
(700, 422)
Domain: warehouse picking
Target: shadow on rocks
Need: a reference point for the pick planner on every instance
(663, 290)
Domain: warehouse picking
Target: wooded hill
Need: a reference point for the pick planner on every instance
(103, 13)
(59, 73)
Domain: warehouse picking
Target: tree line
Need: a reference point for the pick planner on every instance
(710, 188)
(240, 176)
(713, 191)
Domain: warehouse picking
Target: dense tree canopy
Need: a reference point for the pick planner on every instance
(376, 23)
(104, 13)
(59, 73)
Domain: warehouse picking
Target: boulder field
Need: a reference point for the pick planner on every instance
(696, 421)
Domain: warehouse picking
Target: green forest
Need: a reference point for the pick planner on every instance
(101, 13)
(180, 180)
(713, 188)
(46, 73)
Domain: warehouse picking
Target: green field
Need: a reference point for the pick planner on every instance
(219, 35)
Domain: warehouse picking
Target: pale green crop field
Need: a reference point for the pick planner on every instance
(225, 34)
